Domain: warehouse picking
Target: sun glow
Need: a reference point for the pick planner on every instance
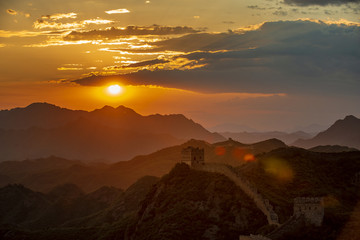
(114, 89)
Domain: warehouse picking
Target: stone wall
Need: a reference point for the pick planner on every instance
(253, 237)
(312, 208)
(262, 203)
(194, 157)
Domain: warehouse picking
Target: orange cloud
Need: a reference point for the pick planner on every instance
(115, 11)
(11, 11)
(41, 24)
(58, 16)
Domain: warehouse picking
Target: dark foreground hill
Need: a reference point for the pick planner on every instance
(107, 134)
(344, 132)
(191, 204)
(44, 174)
(67, 206)
(284, 174)
(185, 204)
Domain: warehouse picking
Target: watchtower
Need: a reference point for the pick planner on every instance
(312, 208)
(194, 157)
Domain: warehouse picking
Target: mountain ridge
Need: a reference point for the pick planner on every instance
(110, 134)
(344, 132)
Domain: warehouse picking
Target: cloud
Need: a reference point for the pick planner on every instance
(11, 11)
(319, 2)
(280, 13)
(255, 7)
(59, 16)
(8, 34)
(128, 31)
(115, 11)
(287, 56)
(43, 24)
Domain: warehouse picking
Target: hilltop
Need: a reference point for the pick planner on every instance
(107, 134)
(344, 132)
(45, 173)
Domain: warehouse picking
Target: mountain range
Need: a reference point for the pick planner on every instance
(252, 137)
(344, 132)
(189, 204)
(107, 134)
(45, 173)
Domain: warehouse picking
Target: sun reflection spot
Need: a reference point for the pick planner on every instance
(219, 150)
(249, 157)
(114, 89)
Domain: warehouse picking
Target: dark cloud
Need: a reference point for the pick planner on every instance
(256, 7)
(287, 56)
(129, 31)
(319, 2)
(280, 13)
(11, 12)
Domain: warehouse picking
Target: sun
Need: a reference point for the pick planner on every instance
(114, 89)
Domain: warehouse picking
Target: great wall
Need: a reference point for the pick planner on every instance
(307, 210)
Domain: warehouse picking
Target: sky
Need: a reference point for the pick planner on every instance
(266, 64)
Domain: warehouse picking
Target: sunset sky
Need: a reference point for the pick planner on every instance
(267, 64)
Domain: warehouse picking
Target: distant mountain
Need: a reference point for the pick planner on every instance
(107, 134)
(44, 174)
(252, 137)
(332, 149)
(232, 127)
(345, 132)
(312, 128)
(66, 205)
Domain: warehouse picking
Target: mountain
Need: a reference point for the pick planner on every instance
(345, 132)
(107, 134)
(67, 205)
(42, 115)
(43, 174)
(192, 204)
(251, 137)
(332, 149)
(189, 204)
(232, 127)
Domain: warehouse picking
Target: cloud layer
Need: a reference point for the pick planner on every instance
(128, 31)
(290, 56)
(319, 2)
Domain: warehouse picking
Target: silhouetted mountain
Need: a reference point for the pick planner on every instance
(188, 204)
(113, 134)
(286, 173)
(124, 173)
(231, 127)
(345, 132)
(251, 137)
(67, 205)
(332, 149)
(42, 115)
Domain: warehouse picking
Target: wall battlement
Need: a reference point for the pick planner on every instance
(194, 157)
(312, 208)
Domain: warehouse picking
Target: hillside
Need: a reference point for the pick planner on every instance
(332, 149)
(67, 206)
(344, 132)
(107, 134)
(252, 137)
(43, 174)
(188, 204)
(283, 174)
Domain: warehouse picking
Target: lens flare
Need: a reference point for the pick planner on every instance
(220, 150)
(279, 168)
